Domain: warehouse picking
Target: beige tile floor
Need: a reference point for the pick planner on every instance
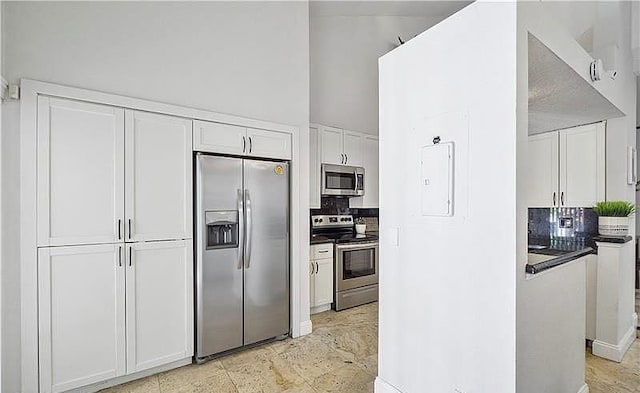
(340, 356)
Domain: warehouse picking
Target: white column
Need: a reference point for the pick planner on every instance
(616, 319)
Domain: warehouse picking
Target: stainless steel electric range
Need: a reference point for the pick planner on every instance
(356, 260)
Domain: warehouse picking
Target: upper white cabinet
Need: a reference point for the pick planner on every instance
(80, 182)
(158, 177)
(159, 297)
(81, 315)
(370, 160)
(567, 167)
(331, 142)
(314, 168)
(219, 138)
(340, 147)
(236, 140)
(270, 144)
(582, 165)
(542, 170)
(352, 147)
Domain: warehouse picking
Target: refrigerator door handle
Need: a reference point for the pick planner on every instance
(241, 229)
(248, 229)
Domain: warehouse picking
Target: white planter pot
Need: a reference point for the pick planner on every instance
(361, 228)
(613, 226)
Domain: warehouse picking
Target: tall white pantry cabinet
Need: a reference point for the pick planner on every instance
(114, 236)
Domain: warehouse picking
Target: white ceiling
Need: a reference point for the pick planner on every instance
(559, 97)
(418, 8)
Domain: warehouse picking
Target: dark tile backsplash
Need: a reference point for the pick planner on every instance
(563, 223)
(336, 205)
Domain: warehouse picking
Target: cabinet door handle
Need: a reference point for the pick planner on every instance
(554, 198)
(250, 144)
(343, 161)
(323, 251)
(119, 231)
(312, 269)
(129, 229)
(120, 256)
(244, 144)
(316, 267)
(562, 198)
(346, 159)
(130, 256)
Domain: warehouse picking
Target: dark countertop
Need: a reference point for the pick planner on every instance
(319, 239)
(561, 258)
(563, 250)
(613, 239)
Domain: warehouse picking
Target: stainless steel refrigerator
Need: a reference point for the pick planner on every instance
(242, 252)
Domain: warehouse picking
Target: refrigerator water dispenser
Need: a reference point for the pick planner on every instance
(222, 229)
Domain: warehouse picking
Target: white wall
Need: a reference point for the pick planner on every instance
(344, 52)
(447, 299)
(249, 59)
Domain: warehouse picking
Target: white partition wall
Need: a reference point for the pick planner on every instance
(447, 287)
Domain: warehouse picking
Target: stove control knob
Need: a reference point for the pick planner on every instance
(320, 220)
(315, 220)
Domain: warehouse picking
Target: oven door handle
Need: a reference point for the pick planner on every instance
(356, 246)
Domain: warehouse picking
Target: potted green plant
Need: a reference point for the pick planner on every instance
(613, 217)
(361, 225)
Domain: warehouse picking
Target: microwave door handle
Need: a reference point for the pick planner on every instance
(355, 174)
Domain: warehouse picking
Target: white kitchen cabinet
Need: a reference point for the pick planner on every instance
(582, 165)
(566, 168)
(158, 155)
(241, 141)
(321, 277)
(324, 282)
(271, 144)
(80, 182)
(340, 147)
(370, 162)
(542, 170)
(352, 148)
(159, 301)
(81, 314)
(219, 138)
(331, 140)
(314, 169)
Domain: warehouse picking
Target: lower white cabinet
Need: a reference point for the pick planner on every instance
(321, 276)
(86, 336)
(81, 315)
(159, 297)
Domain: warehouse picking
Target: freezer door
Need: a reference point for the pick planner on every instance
(266, 275)
(219, 271)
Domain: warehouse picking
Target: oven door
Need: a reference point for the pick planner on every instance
(342, 180)
(356, 265)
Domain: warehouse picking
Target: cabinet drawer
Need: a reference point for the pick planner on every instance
(321, 251)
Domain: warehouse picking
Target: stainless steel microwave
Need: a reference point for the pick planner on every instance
(342, 180)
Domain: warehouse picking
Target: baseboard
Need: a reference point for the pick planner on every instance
(584, 389)
(306, 327)
(616, 352)
(131, 377)
(319, 309)
(382, 386)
